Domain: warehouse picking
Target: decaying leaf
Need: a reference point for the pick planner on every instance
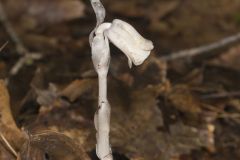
(49, 98)
(182, 98)
(5, 154)
(39, 145)
(77, 88)
(229, 59)
(52, 145)
(145, 127)
(8, 127)
(157, 120)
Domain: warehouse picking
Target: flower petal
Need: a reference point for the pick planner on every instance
(131, 43)
(143, 43)
(101, 28)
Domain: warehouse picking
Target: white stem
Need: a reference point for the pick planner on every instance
(136, 48)
(102, 121)
(102, 81)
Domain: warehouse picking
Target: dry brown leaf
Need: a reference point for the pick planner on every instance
(135, 125)
(77, 88)
(230, 59)
(5, 154)
(52, 145)
(139, 125)
(181, 97)
(46, 97)
(8, 126)
(49, 99)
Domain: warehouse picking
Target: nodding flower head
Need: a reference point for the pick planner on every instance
(123, 36)
(129, 41)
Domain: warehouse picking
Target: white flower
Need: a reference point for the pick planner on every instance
(133, 45)
(129, 41)
(123, 36)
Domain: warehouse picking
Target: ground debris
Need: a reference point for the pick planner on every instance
(182, 109)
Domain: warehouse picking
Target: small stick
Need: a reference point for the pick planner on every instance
(26, 59)
(202, 49)
(11, 32)
(3, 46)
(221, 95)
(21, 49)
(8, 145)
(222, 114)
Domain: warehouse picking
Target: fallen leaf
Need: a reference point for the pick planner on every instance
(5, 154)
(183, 99)
(229, 59)
(52, 145)
(8, 127)
(77, 88)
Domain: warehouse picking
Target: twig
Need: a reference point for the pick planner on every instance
(221, 95)
(202, 49)
(27, 59)
(8, 127)
(21, 49)
(11, 32)
(8, 145)
(223, 114)
(3, 46)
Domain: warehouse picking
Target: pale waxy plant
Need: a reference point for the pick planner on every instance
(133, 45)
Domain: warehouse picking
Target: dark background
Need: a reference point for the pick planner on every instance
(184, 108)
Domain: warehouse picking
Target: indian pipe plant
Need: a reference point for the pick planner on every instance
(133, 45)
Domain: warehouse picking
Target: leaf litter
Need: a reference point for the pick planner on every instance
(180, 110)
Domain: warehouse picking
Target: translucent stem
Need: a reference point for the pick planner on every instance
(102, 121)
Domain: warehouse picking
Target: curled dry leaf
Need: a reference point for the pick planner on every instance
(46, 97)
(181, 97)
(8, 127)
(230, 59)
(49, 98)
(52, 145)
(77, 88)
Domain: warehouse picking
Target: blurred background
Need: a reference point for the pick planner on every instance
(183, 103)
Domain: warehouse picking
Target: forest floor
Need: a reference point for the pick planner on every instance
(185, 108)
